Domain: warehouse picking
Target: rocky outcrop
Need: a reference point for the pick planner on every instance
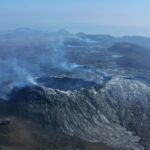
(131, 98)
(104, 115)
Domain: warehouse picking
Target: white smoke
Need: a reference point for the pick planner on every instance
(12, 75)
(58, 58)
(17, 70)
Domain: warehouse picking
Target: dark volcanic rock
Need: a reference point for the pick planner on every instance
(101, 115)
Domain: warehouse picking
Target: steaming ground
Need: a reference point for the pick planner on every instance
(21, 65)
(85, 87)
(18, 69)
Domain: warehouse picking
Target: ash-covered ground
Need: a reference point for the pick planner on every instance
(74, 91)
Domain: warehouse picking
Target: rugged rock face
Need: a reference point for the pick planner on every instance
(133, 106)
(102, 115)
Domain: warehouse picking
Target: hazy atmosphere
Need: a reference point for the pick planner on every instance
(74, 74)
(116, 17)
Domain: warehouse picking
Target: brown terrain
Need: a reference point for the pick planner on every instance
(18, 134)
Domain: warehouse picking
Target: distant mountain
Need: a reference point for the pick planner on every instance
(133, 56)
(130, 49)
(108, 40)
(79, 39)
(139, 40)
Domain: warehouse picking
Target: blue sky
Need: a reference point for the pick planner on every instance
(116, 17)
